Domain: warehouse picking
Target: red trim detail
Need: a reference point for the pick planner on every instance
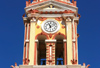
(53, 46)
(38, 26)
(42, 18)
(53, 49)
(58, 19)
(30, 4)
(50, 35)
(41, 34)
(28, 42)
(24, 51)
(59, 34)
(26, 61)
(72, 41)
(75, 42)
(33, 11)
(25, 42)
(63, 26)
(53, 57)
(35, 53)
(28, 50)
(65, 54)
(50, 12)
(78, 35)
(74, 61)
(25, 32)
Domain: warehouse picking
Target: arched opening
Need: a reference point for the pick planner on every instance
(59, 50)
(41, 50)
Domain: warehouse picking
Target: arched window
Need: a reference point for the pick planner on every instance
(59, 50)
(41, 50)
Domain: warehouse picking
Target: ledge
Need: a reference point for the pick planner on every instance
(51, 66)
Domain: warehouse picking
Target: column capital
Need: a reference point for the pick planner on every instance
(76, 19)
(68, 19)
(25, 19)
(33, 20)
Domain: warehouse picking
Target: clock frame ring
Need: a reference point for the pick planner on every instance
(56, 24)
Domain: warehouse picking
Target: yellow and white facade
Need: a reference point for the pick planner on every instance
(50, 32)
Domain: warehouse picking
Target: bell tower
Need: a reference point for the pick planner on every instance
(50, 38)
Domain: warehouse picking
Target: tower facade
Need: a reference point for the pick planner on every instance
(51, 34)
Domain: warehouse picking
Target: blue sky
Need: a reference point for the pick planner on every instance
(12, 32)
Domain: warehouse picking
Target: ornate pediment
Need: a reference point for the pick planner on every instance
(52, 6)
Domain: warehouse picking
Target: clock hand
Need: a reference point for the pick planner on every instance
(49, 25)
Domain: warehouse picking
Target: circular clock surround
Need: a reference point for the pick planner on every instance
(50, 26)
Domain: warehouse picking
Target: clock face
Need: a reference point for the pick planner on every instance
(50, 26)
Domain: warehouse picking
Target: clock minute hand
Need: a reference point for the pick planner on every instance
(50, 25)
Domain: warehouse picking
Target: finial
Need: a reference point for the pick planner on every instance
(79, 15)
(29, 1)
(72, 1)
(88, 66)
(14, 66)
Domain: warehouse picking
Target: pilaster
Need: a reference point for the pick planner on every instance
(26, 44)
(69, 40)
(76, 21)
(50, 52)
(33, 21)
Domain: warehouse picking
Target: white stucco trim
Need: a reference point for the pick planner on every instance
(36, 41)
(27, 40)
(74, 40)
(50, 40)
(64, 40)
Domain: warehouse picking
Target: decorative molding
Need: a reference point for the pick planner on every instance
(50, 35)
(26, 61)
(26, 41)
(64, 40)
(74, 40)
(68, 19)
(36, 41)
(42, 33)
(74, 61)
(59, 34)
(63, 4)
(63, 26)
(33, 11)
(33, 20)
(68, 11)
(42, 18)
(38, 26)
(50, 41)
(76, 20)
(58, 19)
(66, 16)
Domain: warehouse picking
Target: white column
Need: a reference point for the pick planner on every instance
(69, 40)
(32, 41)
